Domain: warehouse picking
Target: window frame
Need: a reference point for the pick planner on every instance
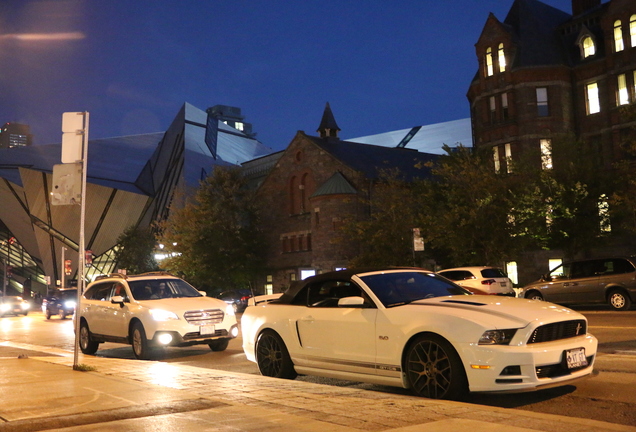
(592, 98)
(619, 44)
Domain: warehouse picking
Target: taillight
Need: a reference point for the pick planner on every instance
(245, 298)
(488, 281)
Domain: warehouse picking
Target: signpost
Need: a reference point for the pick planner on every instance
(66, 191)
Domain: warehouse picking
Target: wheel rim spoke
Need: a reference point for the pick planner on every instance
(429, 369)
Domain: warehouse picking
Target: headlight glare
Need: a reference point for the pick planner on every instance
(163, 315)
(497, 337)
(229, 310)
(69, 304)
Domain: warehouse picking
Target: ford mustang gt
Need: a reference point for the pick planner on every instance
(414, 329)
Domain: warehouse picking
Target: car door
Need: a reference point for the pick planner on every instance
(115, 314)
(580, 284)
(337, 338)
(94, 307)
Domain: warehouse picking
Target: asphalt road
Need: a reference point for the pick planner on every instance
(609, 396)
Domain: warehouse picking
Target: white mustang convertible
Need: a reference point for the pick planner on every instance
(414, 329)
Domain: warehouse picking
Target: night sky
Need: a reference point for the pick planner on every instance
(382, 65)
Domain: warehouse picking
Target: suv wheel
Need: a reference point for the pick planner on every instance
(86, 342)
(219, 344)
(47, 314)
(62, 314)
(619, 300)
(140, 342)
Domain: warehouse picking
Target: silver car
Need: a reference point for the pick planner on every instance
(604, 280)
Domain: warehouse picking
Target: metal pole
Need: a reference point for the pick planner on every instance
(82, 247)
(62, 277)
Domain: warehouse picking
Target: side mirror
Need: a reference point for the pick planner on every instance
(351, 302)
(203, 293)
(117, 300)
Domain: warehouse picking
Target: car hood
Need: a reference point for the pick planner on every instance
(507, 310)
(185, 304)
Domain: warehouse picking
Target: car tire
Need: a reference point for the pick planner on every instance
(86, 342)
(272, 357)
(140, 345)
(219, 344)
(47, 314)
(62, 313)
(619, 300)
(434, 369)
(25, 313)
(534, 295)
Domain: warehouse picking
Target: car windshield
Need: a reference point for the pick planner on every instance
(162, 288)
(397, 288)
(68, 295)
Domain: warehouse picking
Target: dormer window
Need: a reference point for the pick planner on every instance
(502, 58)
(587, 47)
(618, 36)
(489, 67)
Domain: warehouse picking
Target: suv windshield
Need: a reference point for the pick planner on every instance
(162, 288)
(398, 288)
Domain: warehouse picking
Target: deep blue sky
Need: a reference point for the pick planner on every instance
(382, 65)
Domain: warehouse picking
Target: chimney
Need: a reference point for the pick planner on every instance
(582, 6)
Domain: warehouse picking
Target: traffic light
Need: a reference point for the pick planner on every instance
(67, 267)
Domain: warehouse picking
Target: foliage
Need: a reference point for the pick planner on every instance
(136, 250)
(216, 235)
(385, 238)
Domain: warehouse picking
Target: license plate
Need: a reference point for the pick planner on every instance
(575, 358)
(206, 330)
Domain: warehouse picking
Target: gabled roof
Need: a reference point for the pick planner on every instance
(534, 27)
(372, 160)
(336, 185)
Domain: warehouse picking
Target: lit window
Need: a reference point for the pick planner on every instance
(542, 102)
(618, 36)
(546, 154)
(493, 109)
(588, 47)
(238, 126)
(623, 94)
(603, 214)
(508, 152)
(511, 270)
(502, 58)
(591, 95)
(632, 30)
(504, 106)
(554, 263)
(495, 158)
(489, 69)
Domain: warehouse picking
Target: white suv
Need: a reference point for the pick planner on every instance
(149, 310)
(491, 280)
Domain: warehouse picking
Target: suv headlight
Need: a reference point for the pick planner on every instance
(497, 337)
(229, 310)
(163, 315)
(70, 304)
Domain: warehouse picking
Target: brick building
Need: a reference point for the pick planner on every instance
(313, 185)
(544, 73)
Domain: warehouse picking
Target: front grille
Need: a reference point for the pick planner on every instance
(559, 369)
(204, 317)
(559, 330)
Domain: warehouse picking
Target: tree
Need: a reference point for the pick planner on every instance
(216, 236)
(136, 250)
(385, 238)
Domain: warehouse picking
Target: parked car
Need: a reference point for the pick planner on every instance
(15, 305)
(236, 298)
(414, 329)
(589, 281)
(152, 310)
(60, 302)
(491, 280)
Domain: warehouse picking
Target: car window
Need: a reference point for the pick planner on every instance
(153, 289)
(99, 292)
(561, 272)
(327, 293)
(404, 287)
(618, 266)
(456, 275)
(493, 273)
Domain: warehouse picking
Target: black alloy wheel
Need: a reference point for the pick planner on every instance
(434, 369)
(272, 356)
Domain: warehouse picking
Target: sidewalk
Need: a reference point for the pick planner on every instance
(41, 391)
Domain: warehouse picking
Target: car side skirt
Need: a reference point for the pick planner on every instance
(350, 376)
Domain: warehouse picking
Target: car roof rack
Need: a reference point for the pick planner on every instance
(112, 275)
(155, 273)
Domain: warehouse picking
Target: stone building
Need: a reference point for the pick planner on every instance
(313, 185)
(544, 73)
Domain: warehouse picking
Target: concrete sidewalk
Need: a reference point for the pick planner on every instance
(41, 391)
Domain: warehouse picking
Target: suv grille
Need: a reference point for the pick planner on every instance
(559, 330)
(204, 317)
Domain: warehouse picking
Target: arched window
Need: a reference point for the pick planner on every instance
(294, 204)
(489, 69)
(306, 190)
(588, 47)
(618, 36)
(502, 58)
(632, 30)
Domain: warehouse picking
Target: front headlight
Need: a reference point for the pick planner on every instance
(69, 304)
(497, 337)
(163, 315)
(229, 310)
(5, 307)
(26, 306)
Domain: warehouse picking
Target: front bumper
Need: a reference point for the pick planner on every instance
(527, 367)
(192, 338)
